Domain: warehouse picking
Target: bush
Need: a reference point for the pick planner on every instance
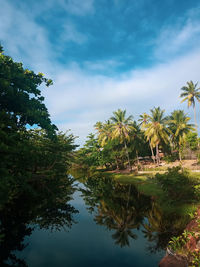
(170, 158)
(177, 184)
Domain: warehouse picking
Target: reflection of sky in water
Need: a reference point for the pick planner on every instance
(86, 244)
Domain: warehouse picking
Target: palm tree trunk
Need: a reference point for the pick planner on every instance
(138, 162)
(153, 157)
(195, 119)
(180, 158)
(157, 155)
(116, 159)
(126, 149)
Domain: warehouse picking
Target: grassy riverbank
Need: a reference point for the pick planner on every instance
(147, 184)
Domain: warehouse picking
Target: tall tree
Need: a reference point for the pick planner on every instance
(144, 120)
(105, 139)
(156, 130)
(190, 93)
(121, 128)
(104, 132)
(28, 158)
(179, 128)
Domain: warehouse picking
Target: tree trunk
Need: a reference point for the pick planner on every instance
(129, 164)
(153, 157)
(157, 155)
(180, 156)
(195, 119)
(138, 162)
(116, 159)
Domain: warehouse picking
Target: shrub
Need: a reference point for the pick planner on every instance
(170, 158)
(177, 184)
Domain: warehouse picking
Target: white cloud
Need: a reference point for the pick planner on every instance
(80, 99)
(78, 7)
(23, 38)
(70, 33)
(175, 37)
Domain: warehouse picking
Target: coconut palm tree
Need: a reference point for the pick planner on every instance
(179, 128)
(190, 93)
(104, 132)
(105, 136)
(156, 130)
(121, 129)
(144, 119)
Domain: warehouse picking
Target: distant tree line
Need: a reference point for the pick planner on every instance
(120, 141)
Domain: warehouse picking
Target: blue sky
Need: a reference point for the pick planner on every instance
(105, 54)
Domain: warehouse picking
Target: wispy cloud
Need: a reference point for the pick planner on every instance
(71, 34)
(95, 97)
(184, 35)
(77, 7)
(25, 39)
(88, 91)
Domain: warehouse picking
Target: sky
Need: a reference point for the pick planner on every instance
(103, 55)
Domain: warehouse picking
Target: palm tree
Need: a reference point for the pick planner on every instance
(190, 92)
(121, 129)
(179, 127)
(144, 119)
(105, 136)
(104, 132)
(156, 130)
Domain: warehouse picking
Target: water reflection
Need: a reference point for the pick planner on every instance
(45, 209)
(123, 209)
(129, 216)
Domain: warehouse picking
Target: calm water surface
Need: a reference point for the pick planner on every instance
(114, 226)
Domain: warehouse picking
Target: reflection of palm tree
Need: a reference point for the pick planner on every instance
(121, 219)
(121, 210)
(121, 236)
(190, 92)
(121, 129)
(161, 227)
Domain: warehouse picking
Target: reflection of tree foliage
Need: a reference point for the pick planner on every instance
(161, 227)
(122, 208)
(118, 207)
(50, 211)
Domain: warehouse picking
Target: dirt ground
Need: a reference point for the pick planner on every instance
(189, 164)
(145, 166)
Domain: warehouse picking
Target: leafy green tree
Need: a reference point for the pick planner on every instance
(190, 93)
(192, 140)
(29, 158)
(156, 130)
(179, 128)
(89, 155)
(121, 129)
(144, 120)
(110, 148)
(21, 102)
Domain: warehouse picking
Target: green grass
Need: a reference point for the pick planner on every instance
(147, 185)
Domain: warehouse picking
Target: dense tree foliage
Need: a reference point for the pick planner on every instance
(34, 160)
(189, 94)
(120, 142)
